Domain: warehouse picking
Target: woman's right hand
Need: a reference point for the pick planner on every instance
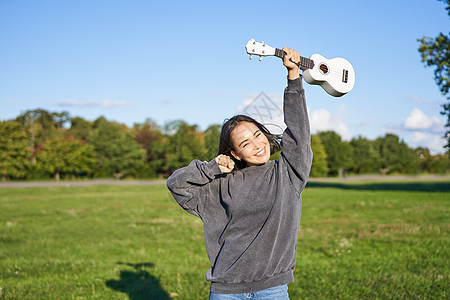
(225, 163)
(290, 61)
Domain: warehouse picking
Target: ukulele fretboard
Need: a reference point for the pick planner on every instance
(304, 62)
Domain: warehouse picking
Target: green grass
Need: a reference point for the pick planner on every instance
(357, 241)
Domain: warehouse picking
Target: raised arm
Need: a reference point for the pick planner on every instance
(296, 141)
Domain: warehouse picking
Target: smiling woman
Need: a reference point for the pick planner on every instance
(250, 206)
(251, 144)
(241, 136)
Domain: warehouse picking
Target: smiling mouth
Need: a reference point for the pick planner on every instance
(262, 152)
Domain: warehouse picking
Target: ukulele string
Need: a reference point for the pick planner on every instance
(332, 73)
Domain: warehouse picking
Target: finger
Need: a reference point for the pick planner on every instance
(220, 160)
(287, 53)
(296, 56)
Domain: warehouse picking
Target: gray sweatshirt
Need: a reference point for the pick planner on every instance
(251, 217)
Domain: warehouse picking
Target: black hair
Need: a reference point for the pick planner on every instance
(226, 144)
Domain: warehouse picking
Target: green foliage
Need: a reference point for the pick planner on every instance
(146, 150)
(359, 240)
(319, 166)
(41, 124)
(394, 155)
(66, 156)
(339, 153)
(117, 151)
(149, 135)
(427, 163)
(145, 134)
(184, 144)
(80, 129)
(436, 53)
(365, 155)
(212, 139)
(14, 151)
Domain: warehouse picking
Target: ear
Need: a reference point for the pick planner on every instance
(235, 155)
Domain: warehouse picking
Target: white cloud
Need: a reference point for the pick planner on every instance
(434, 142)
(417, 120)
(323, 120)
(93, 103)
(268, 109)
(421, 130)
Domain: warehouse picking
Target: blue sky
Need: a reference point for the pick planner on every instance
(167, 60)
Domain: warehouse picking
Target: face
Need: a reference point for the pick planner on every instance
(250, 144)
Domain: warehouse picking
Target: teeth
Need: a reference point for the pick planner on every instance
(260, 152)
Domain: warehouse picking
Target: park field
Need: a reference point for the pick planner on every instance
(358, 240)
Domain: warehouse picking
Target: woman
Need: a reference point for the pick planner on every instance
(250, 206)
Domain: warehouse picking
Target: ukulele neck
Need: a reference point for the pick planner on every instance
(305, 63)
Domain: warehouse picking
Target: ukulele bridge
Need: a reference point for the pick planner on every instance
(345, 76)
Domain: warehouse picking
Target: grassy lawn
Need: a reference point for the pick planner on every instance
(358, 240)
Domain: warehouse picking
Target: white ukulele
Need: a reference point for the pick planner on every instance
(336, 76)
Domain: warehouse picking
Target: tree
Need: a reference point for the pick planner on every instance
(436, 52)
(60, 119)
(428, 163)
(424, 160)
(184, 144)
(365, 156)
(159, 153)
(61, 156)
(41, 125)
(319, 166)
(339, 153)
(147, 135)
(118, 153)
(440, 164)
(212, 139)
(80, 129)
(394, 155)
(14, 150)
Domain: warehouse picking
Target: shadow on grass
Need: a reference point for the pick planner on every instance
(386, 186)
(138, 284)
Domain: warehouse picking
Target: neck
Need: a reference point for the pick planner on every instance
(305, 63)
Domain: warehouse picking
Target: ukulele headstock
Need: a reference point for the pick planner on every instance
(261, 49)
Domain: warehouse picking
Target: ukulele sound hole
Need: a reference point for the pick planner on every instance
(324, 69)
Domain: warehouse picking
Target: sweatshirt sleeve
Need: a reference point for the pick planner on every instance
(296, 141)
(188, 185)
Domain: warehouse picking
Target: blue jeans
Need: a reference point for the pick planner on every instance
(275, 293)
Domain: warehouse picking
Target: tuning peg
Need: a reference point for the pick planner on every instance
(250, 57)
(260, 58)
(252, 40)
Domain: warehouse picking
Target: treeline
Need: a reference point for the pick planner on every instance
(40, 144)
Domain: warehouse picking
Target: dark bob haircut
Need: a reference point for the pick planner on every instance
(226, 144)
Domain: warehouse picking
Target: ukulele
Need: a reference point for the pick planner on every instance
(336, 76)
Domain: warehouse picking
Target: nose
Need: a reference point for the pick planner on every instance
(256, 144)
